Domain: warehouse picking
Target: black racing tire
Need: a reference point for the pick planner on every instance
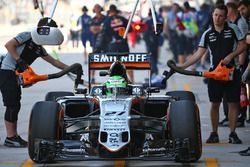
(44, 123)
(185, 123)
(182, 95)
(52, 96)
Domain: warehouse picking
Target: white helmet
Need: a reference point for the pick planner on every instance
(47, 33)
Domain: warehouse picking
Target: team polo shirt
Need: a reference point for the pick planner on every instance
(27, 49)
(220, 44)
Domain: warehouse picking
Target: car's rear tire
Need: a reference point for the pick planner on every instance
(44, 123)
(52, 96)
(185, 124)
(182, 95)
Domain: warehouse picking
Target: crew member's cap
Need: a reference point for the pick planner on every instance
(113, 8)
(84, 9)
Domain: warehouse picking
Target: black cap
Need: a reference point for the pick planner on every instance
(113, 8)
(186, 4)
(84, 9)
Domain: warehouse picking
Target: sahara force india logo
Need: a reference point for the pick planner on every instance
(137, 57)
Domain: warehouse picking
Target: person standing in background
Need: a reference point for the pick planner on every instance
(235, 18)
(152, 41)
(244, 9)
(96, 28)
(246, 79)
(84, 21)
(112, 36)
(74, 31)
(187, 31)
(224, 42)
(170, 30)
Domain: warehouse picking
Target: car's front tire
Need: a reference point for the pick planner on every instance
(45, 123)
(185, 124)
(182, 95)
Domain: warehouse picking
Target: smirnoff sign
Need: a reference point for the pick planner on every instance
(132, 57)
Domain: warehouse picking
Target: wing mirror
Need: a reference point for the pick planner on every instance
(81, 90)
(103, 73)
(153, 90)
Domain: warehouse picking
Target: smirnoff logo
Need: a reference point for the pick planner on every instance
(136, 57)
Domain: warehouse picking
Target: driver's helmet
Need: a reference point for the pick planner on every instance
(118, 69)
(116, 85)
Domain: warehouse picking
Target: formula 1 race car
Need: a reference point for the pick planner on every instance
(116, 119)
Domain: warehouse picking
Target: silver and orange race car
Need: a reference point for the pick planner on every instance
(116, 119)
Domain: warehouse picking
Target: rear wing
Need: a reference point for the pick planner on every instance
(132, 61)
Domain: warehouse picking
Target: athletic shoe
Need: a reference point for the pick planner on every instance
(240, 124)
(234, 139)
(248, 121)
(245, 152)
(224, 123)
(15, 141)
(213, 138)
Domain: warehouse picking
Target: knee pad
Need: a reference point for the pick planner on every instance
(11, 114)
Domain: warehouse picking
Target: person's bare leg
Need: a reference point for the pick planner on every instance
(214, 116)
(233, 110)
(11, 128)
(181, 59)
(85, 55)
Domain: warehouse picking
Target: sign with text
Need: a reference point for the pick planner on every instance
(131, 60)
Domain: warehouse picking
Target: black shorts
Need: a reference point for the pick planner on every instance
(185, 45)
(9, 87)
(231, 89)
(86, 37)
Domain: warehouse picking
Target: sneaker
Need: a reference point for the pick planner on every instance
(213, 138)
(245, 152)
(224, 123)
(240, 124)
(15, 141)
(234, 139)
(248, 121)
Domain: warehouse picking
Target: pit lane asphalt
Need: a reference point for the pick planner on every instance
(222, 154)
